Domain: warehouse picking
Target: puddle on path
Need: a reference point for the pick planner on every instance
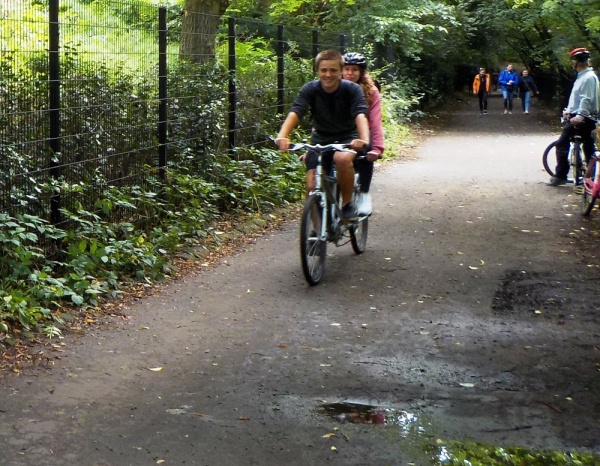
(417, 437)
(358, 413)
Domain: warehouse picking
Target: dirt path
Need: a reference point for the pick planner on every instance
(471, 315)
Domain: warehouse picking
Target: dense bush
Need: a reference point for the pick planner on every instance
(94, 258)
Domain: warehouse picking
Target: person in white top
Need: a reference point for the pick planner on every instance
(581, 114)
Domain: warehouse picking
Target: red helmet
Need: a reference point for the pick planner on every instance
(579, 54)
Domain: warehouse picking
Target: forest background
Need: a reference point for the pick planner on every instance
(131, 130)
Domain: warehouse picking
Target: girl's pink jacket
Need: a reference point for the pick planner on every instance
(375, 125)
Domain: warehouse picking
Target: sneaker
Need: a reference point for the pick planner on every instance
(364, 206)
(555, 181)
(485, 112)
(348, 212)
(526, 112)
(506, 112)
(510, 113)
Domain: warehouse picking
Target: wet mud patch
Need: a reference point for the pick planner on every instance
(548, 293)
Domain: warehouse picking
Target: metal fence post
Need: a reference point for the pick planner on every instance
(315, 43)
(342, 43)
(232, 84)
(54, 103)
(162, 92)
(280, 71)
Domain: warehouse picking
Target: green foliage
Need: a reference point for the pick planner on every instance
(477, 454)
(198, 113)
(90, 257)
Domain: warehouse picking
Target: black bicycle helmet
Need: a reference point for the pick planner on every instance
(579, 54)
(357, 59)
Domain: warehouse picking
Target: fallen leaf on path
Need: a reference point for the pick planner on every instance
(244, 418)
(155, 369)
(329, 435)
(467, 385)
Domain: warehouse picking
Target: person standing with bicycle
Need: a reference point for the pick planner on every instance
(339, 115)
(355, 70)
(580, 115)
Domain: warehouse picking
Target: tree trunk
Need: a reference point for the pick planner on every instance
(201, 20)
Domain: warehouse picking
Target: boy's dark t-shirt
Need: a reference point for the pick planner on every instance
(333, 114)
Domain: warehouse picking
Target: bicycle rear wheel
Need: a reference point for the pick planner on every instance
(588, 201)
(312, 249)
(549, 164)
(358, 235)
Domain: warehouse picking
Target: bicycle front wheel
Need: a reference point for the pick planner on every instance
(588, 201)
(549, 164)
(577, 166)
(312, 249)
(358, 235)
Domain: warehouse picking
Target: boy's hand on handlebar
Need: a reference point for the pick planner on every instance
(282, 143)
(358, 144)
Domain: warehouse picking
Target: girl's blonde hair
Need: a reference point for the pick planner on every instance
(367, 84)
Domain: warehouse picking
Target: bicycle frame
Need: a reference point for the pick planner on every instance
(592, 185)
(326, 187)
(331, 211)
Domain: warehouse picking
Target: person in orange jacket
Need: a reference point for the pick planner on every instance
(482, 85)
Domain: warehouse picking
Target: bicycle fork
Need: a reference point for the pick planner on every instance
(320, 218)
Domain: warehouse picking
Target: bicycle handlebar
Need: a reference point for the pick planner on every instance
(337, 147)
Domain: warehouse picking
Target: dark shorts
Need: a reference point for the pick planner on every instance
(326, 159)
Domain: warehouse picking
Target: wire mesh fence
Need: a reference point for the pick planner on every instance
(101, 93)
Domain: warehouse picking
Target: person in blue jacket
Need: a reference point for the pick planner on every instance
(508, 80)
